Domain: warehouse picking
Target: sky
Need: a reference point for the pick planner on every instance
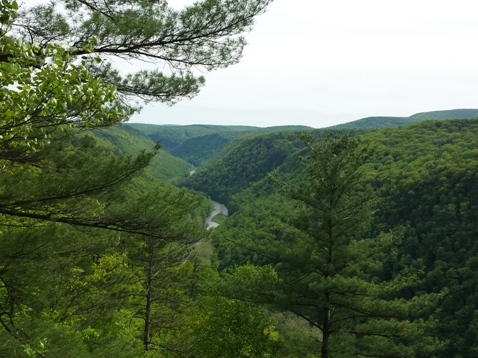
(320, 63)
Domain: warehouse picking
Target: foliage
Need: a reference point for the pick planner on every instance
(125, 141)
(328, 274)
(199, 143)
(199, 149)
(238, 239)
(380, 122)
(90, 239)
(35, 103)
(448, 114)
(78, 221)
(205, 35)
(426, 176)
(231, 328)
(173, 136)
(242, 164)
(92, 278)
(430, 186)
(65, 293)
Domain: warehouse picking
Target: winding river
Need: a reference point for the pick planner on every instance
(218, 209)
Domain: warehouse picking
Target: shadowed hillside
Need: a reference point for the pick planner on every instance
(198, 143)
(127, 141)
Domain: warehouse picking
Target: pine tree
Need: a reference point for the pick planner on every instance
(206, 35)
(330, 275)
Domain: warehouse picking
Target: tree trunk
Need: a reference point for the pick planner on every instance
(147, 334)
(324, 350)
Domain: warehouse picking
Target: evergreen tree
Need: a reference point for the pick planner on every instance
(206, 35)
(44, 90)
(69, 285)
(329, 275)
(161, 263)
(76, 240)
(67, 203)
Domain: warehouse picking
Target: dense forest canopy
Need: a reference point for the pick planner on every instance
(199, 143)
(347, 242)
(100, 257)
(425, 176)
(380, 122)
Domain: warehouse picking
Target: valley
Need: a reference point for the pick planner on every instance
(219, 209)
(425, 173)
(136, 240)
(218, 229)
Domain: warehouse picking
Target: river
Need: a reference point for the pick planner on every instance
(218, 209)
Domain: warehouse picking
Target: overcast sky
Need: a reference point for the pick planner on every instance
(320, 63)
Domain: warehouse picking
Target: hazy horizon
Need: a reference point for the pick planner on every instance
(325, 63)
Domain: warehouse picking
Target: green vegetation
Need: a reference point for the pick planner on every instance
(97, 255)
(363, 245)
(172, 136)
(124, 141)
(329, 275)
(242, 163)
(198, 143)
(425, 175)
(206, 35)
(449, 114)
(380, 122)
(430, 189)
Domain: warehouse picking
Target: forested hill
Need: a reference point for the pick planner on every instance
(127, 141)
(426, 175)
(197, 143)
(248, 161)
(387, 121)
(242, 163)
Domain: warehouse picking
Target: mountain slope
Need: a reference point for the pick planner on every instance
(198, 143)
(172, 136)
(242, 163)
(426, 175)
(127, 141)
(384, 121)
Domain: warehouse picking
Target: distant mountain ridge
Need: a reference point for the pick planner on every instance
(198, 143)
(172, 136)
(388, 121)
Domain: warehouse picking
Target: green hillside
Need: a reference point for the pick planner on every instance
(198, 143)
(448, 114)
(415, 142)
(76, 288)
(127, 141)
(426, 175)
(242, 163)
(171, 136)
(384, 121)
(245, 162)
(198, 149)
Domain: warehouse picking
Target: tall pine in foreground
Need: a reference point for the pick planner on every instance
(330, 276)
